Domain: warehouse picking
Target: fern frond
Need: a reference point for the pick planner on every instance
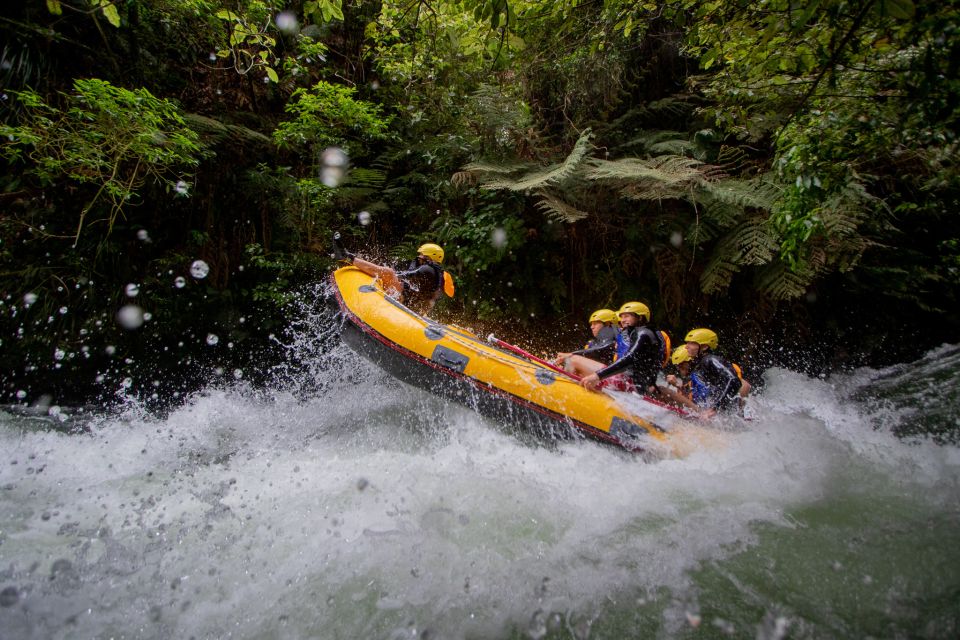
(723, 265)
(744, 194)
(547, 176)
(663, 169)
(361, 177)
(702, 232)
(483, 168)
(558, 209)
(780, 282)
(645, 140)
(675, 147)
(757, 242)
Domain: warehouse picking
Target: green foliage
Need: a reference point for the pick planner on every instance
(327, 114)
(112, 138)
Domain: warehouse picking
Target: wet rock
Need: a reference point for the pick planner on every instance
(9, 597)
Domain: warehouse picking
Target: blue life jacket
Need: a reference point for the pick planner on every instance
(700, 391)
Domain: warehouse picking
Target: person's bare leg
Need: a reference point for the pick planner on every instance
(388, 277)
(581, 366)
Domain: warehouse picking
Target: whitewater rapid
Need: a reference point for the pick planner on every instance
(366, 508)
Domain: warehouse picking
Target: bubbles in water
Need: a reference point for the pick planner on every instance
(130, 317)
(499, 238)
(29, 299)
(212, 339)
(334, 161)
(363, 218)
(132, 290)
(179, 282)
(182, 188)
(199, 269)
(676, 239)
(287, 22)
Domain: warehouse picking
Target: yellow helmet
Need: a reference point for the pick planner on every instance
(680, 354)
(703, 336)
(638, 308)
(606, 316)
(432, 251)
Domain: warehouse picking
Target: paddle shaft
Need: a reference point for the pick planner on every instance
(530, 356)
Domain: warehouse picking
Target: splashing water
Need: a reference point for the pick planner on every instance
(339, 502)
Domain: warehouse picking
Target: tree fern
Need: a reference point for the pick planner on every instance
(781, 282)
(743, 194)
(547, 176)
(722, 266)
(757, 241)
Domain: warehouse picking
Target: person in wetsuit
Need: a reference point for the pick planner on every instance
(679, 389)
(419, 287)
(643, 355)
(601, 348)
(715, 383)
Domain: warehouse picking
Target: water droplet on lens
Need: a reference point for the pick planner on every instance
(21, 394)
(676, 239)
(212, 339)
(63, 311)
(59, 354)
(130, 317)
(179, 282)
(334, 157)
(363, 218)
(29, 298)
(143, 235)
(213, 57)
(331, 176)
(287, 22)
(498, 238)
(182, 188)
(199, 269)
(132, 290)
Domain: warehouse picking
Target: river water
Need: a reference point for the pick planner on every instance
(340, 503)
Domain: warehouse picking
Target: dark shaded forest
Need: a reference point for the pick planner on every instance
(785, 173)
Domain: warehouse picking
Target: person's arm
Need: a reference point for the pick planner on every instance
(596, 352)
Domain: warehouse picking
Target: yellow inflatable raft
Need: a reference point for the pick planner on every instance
(495, 382)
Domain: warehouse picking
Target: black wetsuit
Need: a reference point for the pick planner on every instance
(603, 348)
(422, 285)
(721, 379)
(641, 362)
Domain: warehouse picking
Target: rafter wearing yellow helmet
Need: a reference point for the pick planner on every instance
(601, 349)
(419, 287)
(715, 384)
(641, 351)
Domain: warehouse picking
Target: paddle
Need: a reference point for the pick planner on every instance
(492, 339)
